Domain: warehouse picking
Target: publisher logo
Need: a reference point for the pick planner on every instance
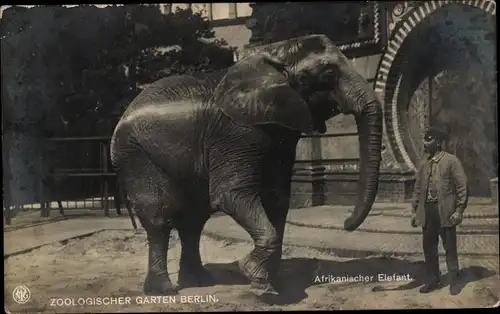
(21, 294)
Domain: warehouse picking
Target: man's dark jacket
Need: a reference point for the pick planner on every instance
(451, 184)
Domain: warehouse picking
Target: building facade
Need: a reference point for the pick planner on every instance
(431, 62)
(227, 19)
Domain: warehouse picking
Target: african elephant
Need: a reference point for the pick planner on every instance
(188, 146)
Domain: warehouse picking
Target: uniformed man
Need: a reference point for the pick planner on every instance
(439, 200)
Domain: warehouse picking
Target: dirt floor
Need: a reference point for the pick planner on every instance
(112, 264)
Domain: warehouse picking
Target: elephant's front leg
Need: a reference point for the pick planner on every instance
(276, 192)
(245, 207)
(236, 182)
(277, 206)
(262, 263)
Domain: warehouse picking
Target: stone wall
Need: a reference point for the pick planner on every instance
(340, 189)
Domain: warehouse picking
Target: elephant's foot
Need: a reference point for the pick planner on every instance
(254, 268)
(158, 285)
(196, 276)
(262, 288)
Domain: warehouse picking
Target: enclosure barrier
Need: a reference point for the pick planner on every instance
(56, 177)
(103, 172)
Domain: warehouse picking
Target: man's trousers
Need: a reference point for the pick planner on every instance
(432, 230)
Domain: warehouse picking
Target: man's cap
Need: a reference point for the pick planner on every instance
(435, 132)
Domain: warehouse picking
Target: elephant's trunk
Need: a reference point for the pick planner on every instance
(369, 122)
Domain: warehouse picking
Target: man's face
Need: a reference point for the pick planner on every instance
(431, 144)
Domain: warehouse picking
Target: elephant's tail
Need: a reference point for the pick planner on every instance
(123, 195)
(122, 192)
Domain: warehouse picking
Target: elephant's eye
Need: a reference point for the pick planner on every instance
(328, 76)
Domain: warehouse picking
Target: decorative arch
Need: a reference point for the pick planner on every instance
(387, 80)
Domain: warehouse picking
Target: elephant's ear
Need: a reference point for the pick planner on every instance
(256, 91)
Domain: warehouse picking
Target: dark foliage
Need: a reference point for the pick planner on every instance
(70, 71)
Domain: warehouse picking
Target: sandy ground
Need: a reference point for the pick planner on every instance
(113, 264)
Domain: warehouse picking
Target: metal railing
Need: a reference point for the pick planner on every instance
(103, 172)
(85, 164)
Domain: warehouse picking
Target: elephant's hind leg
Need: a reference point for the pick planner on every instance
(191, 272)
(157, 281)
(155, 201)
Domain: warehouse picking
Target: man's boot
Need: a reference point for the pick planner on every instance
(432, 285)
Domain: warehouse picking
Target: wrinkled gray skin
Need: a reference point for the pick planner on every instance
(188, 146)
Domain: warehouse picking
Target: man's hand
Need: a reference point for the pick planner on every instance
(456, 218)
(413, 220)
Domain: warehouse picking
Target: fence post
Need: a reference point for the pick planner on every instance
(105, 170)
(43, 210)
(7, 176)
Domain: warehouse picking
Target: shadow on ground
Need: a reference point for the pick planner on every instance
(298, 274)
(467, 275)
